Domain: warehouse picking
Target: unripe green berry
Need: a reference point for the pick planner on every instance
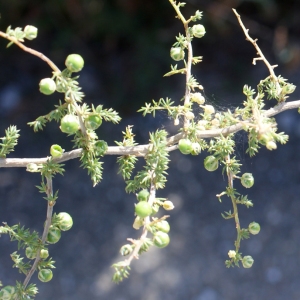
(209, 109)
(198, 30)
(7, 292)
(93, 122)
(69, 124)
(60, 88)
(163, 226)
(155, 209)
(161, 239)
(44, 253)
(254, 228)
(247, 261)
(47, 86)
(198, 98)
(271, 145)
(30, 32)
(143, 209)
(32, 167)
(30, 253)
(45, 275)
(101, 147)
(177, 53)
(196, 149)
(126, 249)
(74, 62)
(185, 146)
(288, 88)
(189, 115)
(56, 151)
(211, 163)
(138, 223)
(231, 254)
(168, 205)
(65, 221)
(247, 180)
(54, 235)
(143, 195)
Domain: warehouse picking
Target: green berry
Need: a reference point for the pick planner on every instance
(271, 145)
(177, 53)
(74, 62)
(93, 122)
(101, 147)
(30, 32)
(7, 292)
(155, 209)
(143, 209)
(168, 205)
(198, 98)
(69, 124)
(247, 261)
(143, 195)
(288, 88)
(45, 275)
(126, 249)
(54, 235)
(138, 223)
(211, 163)
(196, 149)
(44, 253)
(163, 226)
(247, 180)
(56, 151)
(185, 146)
(60, 88)
(161, 239)
(65, 221)
(254, 228)
(198, 30)
(47, 86)
(30, 253)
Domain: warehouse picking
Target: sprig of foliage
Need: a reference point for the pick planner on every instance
(9, 141)
(157, 161)
(23, 236)
(56, 115)
(18, 263)
(127, 162)
(25, 293)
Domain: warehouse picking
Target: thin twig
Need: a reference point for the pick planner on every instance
(259, 52)
(141, 150)
(50, 205)
(31, 51)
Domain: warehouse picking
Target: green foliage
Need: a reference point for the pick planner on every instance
(9, 141)
(157, 160)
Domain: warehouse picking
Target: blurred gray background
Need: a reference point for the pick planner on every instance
(126, 46)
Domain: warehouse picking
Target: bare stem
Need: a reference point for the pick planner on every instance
(259, 52)
(31, 51)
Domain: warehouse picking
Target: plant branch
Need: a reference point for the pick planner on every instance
(259, 52)
(50, 205)
(142, 150)
(139, 243)
(31, 51)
